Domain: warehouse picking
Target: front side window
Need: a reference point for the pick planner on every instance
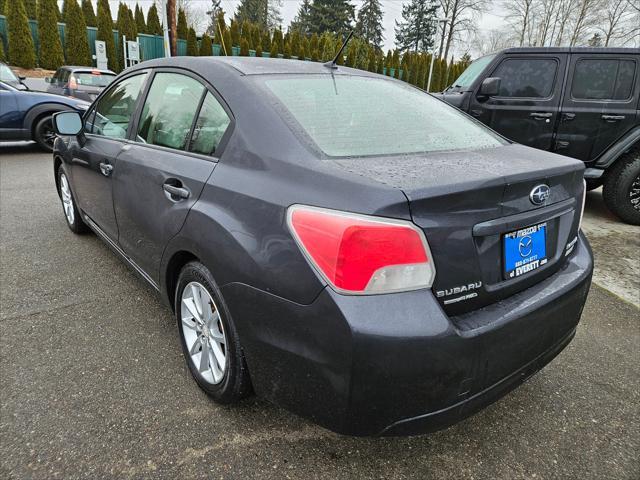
(115, 109)
(169, 110)
(359, 116)
(210, 126)
(603, 79)
(526, 77)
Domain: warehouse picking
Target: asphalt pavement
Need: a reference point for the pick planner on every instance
(93, 383)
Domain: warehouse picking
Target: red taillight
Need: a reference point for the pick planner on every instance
(361, 254)
(73, 84)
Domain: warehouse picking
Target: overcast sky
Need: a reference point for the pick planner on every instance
(392, 12)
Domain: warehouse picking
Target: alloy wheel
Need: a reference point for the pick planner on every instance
(67, 199)
(203, 333)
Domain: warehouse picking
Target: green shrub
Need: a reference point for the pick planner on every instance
(21, 50)
(153, 21)
(76, 41)
(31, 8)
(244, 47)
(51, 53)
(140, 23)
(181, 28)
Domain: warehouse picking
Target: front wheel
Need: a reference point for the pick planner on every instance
(71, 213)
(44, 134)
(621, 190)
(209, 339)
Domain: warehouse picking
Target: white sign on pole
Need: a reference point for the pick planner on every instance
(101, 55)
(133, 51)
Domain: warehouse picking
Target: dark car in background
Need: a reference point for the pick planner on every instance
(26, 115)
(85, 83)
(9, 77)
(579, 102)
(340, 242)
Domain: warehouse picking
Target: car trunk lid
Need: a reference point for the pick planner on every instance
(467, 201)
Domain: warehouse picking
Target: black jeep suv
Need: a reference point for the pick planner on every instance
(579, 102)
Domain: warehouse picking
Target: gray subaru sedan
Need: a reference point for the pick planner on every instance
(336, 241)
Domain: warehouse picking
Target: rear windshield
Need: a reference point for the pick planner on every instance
(359, 116)
(93, 79)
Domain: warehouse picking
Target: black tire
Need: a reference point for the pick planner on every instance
(621, 190)
(76, 225)
(593, 183)
(43, 133)
(235, 383)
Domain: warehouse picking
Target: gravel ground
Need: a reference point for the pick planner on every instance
(93, 384)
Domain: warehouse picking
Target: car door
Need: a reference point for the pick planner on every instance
(10, 115)
(93, 163)
(162, 172)
(526, 107)
(599, 105)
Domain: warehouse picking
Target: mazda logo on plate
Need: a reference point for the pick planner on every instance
(525, 246)
(539, 194)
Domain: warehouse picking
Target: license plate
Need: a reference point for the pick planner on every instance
(525, 250)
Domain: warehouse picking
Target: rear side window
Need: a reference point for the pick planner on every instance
(526, 77)
(169, 110)
(210, 126)
(603, 79)
(360, 116)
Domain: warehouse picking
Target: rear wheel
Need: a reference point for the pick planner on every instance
(210, 343)
(44, 134)
(621, 190)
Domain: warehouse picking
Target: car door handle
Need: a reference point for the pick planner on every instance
(176, 192)
(613, 118)
(476, 113)
(541, 115)
(106, 168)
(567, 117)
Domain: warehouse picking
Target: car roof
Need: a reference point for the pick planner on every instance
(88, 69)
(251, 65)
(602, 50)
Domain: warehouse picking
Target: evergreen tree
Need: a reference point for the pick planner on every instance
(287, 50)
(2, 49)
(369, 25)
(227, 43)
(259, 51)
(372, 61)
(126, 26)
(140, 23)
(205, 46)
(418, 26)
(31, 8)
(105, 33)
(51, 53)
(219, 28)
(335, 16)
(65, 10)
(235, 33)
(264, 13)
(302, 21)
(265, 41)
(181, 27)
(89, 15)
(2, 5)
(244, 47)
(21, 50)
(154, 27)
(76, 41)
(192, 43)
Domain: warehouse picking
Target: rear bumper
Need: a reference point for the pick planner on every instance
(397, 364)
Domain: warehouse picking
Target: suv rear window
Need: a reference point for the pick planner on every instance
(603, 79)
(359, 116)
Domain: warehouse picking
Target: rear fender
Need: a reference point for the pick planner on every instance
(622, 146)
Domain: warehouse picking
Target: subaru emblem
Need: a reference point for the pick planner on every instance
(539, 194)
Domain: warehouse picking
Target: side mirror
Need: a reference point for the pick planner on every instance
(490, 87)
(70, 124)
